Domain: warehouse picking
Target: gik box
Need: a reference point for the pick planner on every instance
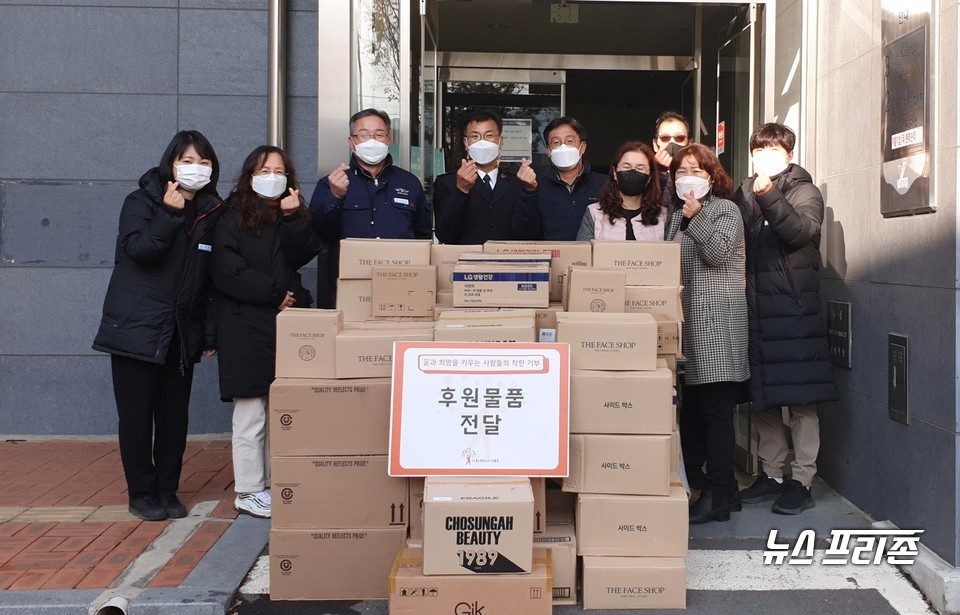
(355, 299)
(306, 343)
(475, 326)
(633, 525)
(365, 350)
(337, 492)
(358, 257)
(657, 300)
(609, 340)
(608, 402)
(501, 285)
(631, 583)
(329, 417)
(561, 541)
(407, 290)
(647, 263)
(333, 564)
(635, 465)
(563, 254)
(444, 257)
(414, 593)
(477, 526)
(592, 289)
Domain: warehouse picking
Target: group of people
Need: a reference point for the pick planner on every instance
(195, 276)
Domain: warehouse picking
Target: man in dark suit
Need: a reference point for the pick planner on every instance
(480, 202)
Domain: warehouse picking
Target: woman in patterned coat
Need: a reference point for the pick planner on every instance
(715, 332)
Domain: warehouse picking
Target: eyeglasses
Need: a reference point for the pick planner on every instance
(643, 168)
(473, 137)
(569, 142)
(680, 139)
(364, 135)
(269, 172)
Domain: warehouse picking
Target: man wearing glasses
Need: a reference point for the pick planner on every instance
(480, 202)
(670, 134)
(566, 194)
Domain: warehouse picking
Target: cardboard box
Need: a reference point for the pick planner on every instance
(628, 583)
(329, 417)
(592, 289)
(306, 343)
(561, 507)
(404, 290)
(367, 351)
(413, 593)
(445, 297)
(563, 254)
(561, 541)
(669, 335)
(608, 340)
(629, 465)
(337, 492)
(416, 509)
(648, 263)
(355, 299)
(608, 402)
(478, 326)
(358, 257)
(674, 452)
(631, 525)
(333, 564)
(477, 526)
(539, 486)
(656, 300)
(547, 322)
(444, 257)
(501, 285)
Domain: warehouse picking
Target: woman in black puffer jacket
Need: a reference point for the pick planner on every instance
(154, 317)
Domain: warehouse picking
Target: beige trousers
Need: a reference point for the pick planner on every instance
(805, 431)
(251, 452)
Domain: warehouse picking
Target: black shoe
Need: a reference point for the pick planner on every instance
(711, 507)
(762, 489)
(174, 507)
(147, 507)
(795, 499)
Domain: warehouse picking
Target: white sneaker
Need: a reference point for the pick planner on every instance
(254, 504)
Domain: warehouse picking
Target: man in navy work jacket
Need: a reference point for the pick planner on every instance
(566, 193)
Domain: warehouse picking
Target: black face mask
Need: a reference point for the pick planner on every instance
(632, 183)
(673, 147)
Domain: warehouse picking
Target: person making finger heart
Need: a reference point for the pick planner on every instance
(480, 201)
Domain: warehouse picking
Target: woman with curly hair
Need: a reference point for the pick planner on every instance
(629, 207)
(259, 245)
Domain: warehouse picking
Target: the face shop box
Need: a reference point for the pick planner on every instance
(365, 350)
(501, 285)
(329, 417)
(414, 593)
(633, 525)
(629, 465)
(547, 323)
(306, 343)
(355, 299)
(475, 326)
(656, 300)
(633, 583)
(358, 257)
(333, 564)
(404, 291)
(563, 254)
(444, 257)
(609, 340)
(337, 492)
(608, 402)
(561, 541)
(592, 289)
(669, 335)
(477, 526)
(648, 263)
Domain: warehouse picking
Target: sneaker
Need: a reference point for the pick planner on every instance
(254, 504)
(762, 489)
(795, 499)
(147, 507)
(172, 504)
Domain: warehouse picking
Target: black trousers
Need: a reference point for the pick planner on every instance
(707, 434)
(152, 402)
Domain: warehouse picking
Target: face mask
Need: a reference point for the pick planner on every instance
(565, 157)
(632, 183)
(193, 177)
(270, 186)
(699, 186)
(372, 151)
(484, 152)
(672, 148)
(770, 162)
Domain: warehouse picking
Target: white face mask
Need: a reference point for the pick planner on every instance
(372, 151)
(484, 152)
(699, 186)
(565, 157)
(770, 162)
(269, 186)
(193, 177)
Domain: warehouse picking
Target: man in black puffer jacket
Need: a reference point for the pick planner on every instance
(789, 357)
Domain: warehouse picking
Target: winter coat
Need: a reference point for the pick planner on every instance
(789, 357)
(159, 283)
(252, 275)
(509, 211)
(597, 225)
(712, 262)
(562, 207)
